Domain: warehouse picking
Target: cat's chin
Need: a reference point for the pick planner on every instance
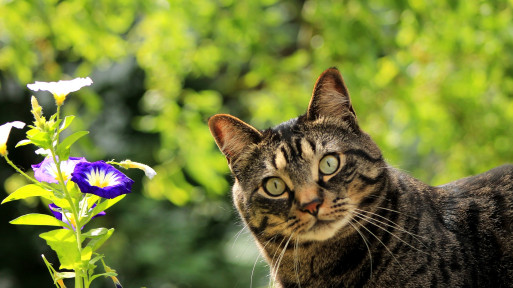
(322, 230)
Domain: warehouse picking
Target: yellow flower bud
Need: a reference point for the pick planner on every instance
(37, 110)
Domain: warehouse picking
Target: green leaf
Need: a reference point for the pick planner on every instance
(91, 200)
(106, 205)
(106, 274)
(39, 138)
(73, 190)
(95, 259)
(67, 122)
(63, 242)
(38, 219)
(30, 190)
(87, 252)
(61, 201)
(96, 232)
(97, 242)
(64, 146)
(23, 143)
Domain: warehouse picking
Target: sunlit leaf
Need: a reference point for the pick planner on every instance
(39, 138)
(29, 190)
(87, 252)
(106, 204)
(23, 143)
(37, 219)
(67, 121)
(97, 242)
(96, 232)
(64, 146)
(63, 242)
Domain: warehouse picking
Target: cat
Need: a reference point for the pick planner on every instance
(326, 210)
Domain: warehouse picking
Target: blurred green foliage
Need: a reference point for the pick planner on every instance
(431, 82)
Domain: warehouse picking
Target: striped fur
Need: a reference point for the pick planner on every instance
(365, 224)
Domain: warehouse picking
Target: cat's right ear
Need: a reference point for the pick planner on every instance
(232, 135)
(330, 98)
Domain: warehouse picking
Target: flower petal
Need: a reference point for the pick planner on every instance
(61, 87)
(56, 211)
(46, 171)
(101, 179)
(5, 129)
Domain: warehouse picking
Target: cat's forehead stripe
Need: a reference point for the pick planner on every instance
(308, 148)
(298, 148)
(280, 158)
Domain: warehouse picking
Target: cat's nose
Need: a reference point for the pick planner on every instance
(312, 207)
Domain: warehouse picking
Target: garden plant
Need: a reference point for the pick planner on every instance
(75, 189)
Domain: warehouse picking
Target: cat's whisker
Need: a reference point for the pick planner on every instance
(277, 249)
(256, 260)
(365, 240)
(384, 245)
(296, 261)
(253, 271)
(393, 225)
(238, 234)
(278, 262)
(371, 221)
(398, 212)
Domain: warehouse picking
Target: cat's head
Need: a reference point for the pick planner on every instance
(304, 177)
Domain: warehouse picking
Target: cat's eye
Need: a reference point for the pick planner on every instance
(274, 186)
(328, 164)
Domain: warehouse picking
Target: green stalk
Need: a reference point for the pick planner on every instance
(25, 174)
(78, 273)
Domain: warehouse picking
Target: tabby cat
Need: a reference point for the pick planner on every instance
(327, 211)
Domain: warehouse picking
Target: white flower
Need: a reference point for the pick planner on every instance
(62, 88)
(148, 171)
(5, 129)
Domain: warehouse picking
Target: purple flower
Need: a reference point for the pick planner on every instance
(46, 171)
(101, 179)
(58, 213)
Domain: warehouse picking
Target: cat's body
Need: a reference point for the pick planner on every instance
(327, 211)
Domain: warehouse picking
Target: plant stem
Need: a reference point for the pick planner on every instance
(74, 209)
(25, 174)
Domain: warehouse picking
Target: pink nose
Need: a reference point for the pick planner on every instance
(311, 207)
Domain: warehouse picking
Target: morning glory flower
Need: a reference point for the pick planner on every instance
(101, 179)
(148, 171)
(46, 171)
(5, 129)
(58, 213)
(62, 88)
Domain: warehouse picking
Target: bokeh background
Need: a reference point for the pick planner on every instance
(431, 81)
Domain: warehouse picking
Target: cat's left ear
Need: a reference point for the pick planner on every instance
(330, 98)
(232, 135)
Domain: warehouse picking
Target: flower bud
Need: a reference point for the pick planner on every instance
(37, 110)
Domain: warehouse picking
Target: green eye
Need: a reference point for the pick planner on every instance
(274, 186)
(329, 164)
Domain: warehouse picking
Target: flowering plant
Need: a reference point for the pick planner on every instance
(77, 190)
